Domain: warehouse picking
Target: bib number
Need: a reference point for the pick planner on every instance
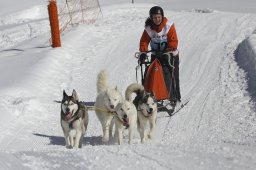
(161, 46)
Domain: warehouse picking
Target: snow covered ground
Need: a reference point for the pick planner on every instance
(216, 130)
(247, 6)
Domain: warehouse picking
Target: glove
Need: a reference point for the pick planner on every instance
(142, 57)
(173, 52)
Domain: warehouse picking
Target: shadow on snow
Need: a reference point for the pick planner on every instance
(59, 140)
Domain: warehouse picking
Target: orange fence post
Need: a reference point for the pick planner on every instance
(54, 23)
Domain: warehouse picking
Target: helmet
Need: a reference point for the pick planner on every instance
(156, 10)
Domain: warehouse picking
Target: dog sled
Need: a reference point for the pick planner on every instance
(155, 81)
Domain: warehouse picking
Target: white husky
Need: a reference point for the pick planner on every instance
(106, 102)
(126, 116)
(147, 109)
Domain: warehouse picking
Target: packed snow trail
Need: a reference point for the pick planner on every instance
(216, 130)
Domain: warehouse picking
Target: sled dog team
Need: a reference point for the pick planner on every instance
(112, 109)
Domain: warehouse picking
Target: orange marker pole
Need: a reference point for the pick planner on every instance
(54, 23)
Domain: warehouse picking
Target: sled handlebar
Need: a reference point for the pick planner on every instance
(156, 52)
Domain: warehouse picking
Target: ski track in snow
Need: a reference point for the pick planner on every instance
(24, 25)
(216, 128)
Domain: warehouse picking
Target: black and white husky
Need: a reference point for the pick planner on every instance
(74, 116)
(146, 107)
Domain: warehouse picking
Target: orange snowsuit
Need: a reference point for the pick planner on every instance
(166, 29)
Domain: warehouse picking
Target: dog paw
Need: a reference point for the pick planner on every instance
(69, 147)
(105, 140)
(150, 136)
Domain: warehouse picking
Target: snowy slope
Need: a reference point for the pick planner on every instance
(216, 130)
(245, 6)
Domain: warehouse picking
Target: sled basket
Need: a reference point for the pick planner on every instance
(154, 81)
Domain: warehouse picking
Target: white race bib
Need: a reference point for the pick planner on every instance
(159, 40)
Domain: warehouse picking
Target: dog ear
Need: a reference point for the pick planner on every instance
(116, 88)
(64, 94)
(74, 95)
(118, 106)
(153, 96)
(147, 94)
(144, 99)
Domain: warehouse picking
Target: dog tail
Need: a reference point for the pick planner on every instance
(134, 88)
(102, 81)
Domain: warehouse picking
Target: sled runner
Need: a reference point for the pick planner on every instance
(155, 79)
(164, 108)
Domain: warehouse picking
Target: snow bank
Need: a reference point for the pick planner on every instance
(245, 56)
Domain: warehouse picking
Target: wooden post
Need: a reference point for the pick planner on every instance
(54, 23)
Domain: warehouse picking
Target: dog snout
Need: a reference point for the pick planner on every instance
(150, 109)
(125, 116)
(67, 110)
(112, 106)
